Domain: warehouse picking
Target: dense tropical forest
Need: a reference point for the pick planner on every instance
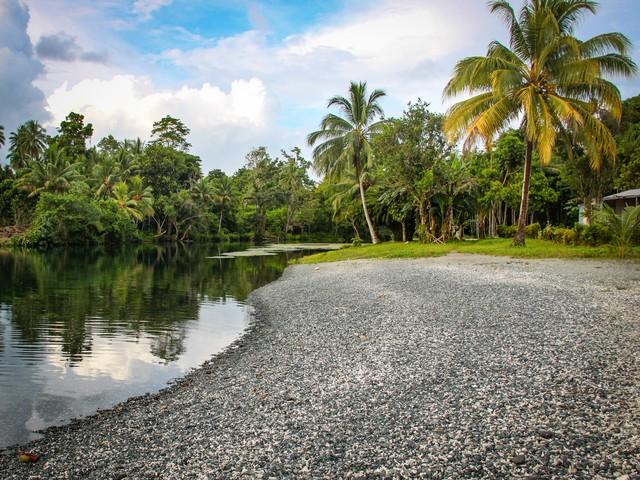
(58, 190)
(543, 132)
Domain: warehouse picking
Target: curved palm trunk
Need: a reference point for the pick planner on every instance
(522, 219)
(372, 229)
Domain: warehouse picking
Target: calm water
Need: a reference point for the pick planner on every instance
(85, 329)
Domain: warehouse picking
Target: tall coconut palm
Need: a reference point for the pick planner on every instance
(1, 136)
(550, 81)
(54, 173)
(27, 143)
(347, 140)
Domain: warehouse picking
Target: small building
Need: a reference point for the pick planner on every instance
(619, 201)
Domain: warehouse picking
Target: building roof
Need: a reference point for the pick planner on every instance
(635, 193)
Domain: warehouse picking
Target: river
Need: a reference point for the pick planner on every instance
(83, 329)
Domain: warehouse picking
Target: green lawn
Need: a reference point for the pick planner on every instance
(501, 246)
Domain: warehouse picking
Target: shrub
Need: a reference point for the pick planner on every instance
(63, 219)
(507, 231)
(622, 228)
(533, 230)
(594, 235)
(118, 226)
(72, 219)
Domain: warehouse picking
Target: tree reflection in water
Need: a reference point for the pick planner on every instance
(68, 296)
(82, 329)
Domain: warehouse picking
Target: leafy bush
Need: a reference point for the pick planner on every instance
(622, 228)
(533, 230)
(594, 235)
(118, 226)
(507, 231)
(566, 236)
(71, 219)
(63, 219)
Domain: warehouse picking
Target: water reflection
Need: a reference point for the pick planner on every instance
(84, 329)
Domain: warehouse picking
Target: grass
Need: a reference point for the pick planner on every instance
(499, 246)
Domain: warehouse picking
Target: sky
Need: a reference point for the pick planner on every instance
(241, 74)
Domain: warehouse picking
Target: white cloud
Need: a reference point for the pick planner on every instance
(408, 48)
(20, 99)
(222, 123)
(145, 8)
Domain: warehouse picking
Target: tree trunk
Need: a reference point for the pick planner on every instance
(518, 240)
(355, 227)
(404, 231)
(220, 220)
(289, 220)
(493, 222)
(450, 226)
(423, 222)
(372, 229)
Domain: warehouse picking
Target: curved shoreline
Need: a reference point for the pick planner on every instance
(353, 369)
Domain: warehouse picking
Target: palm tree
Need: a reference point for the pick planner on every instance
(622, 227)
(125, 202)
(1, 136)
(27, 143)
(202, 190)
(347, 140)
(548, 79)
(133, 198)
(105, 174)
(55, 173)
(142, 195)
(135, 146)
(222, 195)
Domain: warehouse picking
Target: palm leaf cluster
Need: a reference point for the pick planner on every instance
(343, 142)
(27, 143)
(555, 85)
(623, 228)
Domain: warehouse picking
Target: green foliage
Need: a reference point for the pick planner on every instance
(109, 145)
(414, 184)
(55, 173)
(70, 219)
(594, 234)
(343, 145)
(116, 224)
(166, 170)
(73, 135)
(64, 219)
(27, 143)
(15, 206)
(170, 133)
(591, 235)
(538, 84)
(533, 230)
(506, 231)
(623, 228)
(498, 247)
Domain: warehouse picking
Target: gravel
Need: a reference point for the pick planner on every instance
(457, 367)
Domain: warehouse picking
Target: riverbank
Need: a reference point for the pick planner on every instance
(443, 367)
(496, 246)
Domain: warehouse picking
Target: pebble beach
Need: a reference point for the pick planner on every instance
(453, 367)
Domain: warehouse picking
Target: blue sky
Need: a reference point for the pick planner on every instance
(239, 73)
